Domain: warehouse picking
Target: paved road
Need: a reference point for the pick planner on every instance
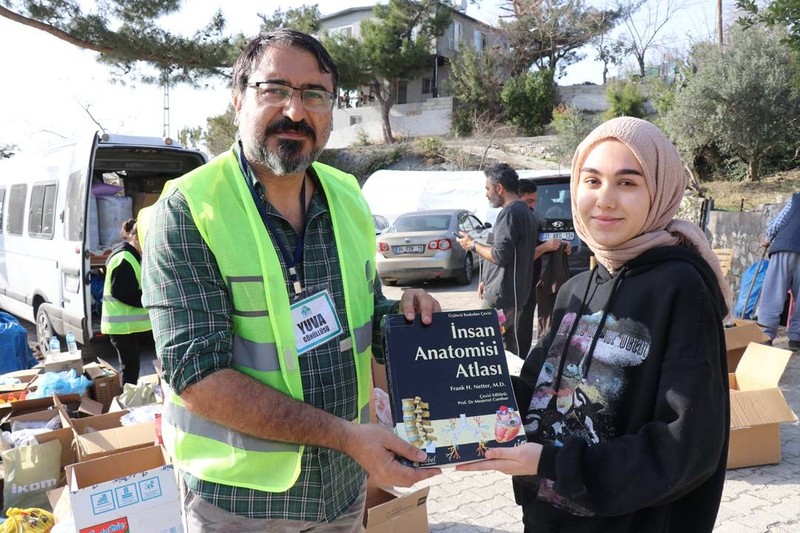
(755, 500)
(761, 499)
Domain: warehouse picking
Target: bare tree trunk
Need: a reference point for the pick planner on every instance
(640, 60)
(752, 169)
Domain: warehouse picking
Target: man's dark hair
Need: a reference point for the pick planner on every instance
(248, 60)
(526, 186)
(503, 174)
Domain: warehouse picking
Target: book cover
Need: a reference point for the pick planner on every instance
(449, 386)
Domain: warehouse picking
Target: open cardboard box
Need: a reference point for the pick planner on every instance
(391, 511)
(135, 491)
(738, 337)
(101, 435)
(25, 377)
(105, 382)
(64, 435)
(64, 361)
(758, 407)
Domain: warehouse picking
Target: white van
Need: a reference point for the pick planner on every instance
(61, 212)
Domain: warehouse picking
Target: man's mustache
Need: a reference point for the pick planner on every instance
(285, 124)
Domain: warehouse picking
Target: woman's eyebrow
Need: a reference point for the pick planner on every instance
(620, 172)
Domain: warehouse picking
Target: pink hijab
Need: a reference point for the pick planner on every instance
(666, 183)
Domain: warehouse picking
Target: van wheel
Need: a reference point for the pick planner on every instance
(465, 276)
(44, 329)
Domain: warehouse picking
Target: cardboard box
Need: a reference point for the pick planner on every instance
(143, 199)
(64, 361)
(390, 511)
(25, 378)
(758, 407)
(64, 435)
(105, 382)
(135, 491)
(738, 337)
(38, 404)
(98, 436)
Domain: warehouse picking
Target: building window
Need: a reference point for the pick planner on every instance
(458, 35)
(346, 31)
(480, 41)
(355, 119)
(426, 86)
(41, 214)
(16, 208)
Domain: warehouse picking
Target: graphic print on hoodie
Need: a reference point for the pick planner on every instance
(582, 402)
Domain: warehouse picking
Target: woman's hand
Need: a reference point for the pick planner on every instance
(517, 461)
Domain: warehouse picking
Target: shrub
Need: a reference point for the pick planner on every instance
(528, 100)
(571, 127)
(624, 100)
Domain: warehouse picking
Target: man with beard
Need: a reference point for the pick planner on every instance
(508, 267)
(266, 309)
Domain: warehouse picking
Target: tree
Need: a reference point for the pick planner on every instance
(395, 45)
(476, 84)
(127, 38)
(219, 134)
(548, 33)
(643, 26)
(743, 104)
(785, 13)
(528, 100)
(303, 18)
(609, 52)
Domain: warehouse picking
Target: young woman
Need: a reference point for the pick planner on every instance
(626, 397)
(124, 318)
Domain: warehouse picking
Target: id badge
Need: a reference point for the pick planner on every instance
(315, 321)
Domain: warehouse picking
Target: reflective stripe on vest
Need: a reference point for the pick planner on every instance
(263, 341)
(119, 318)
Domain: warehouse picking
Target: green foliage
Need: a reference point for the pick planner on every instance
(528, 100)
(784, 13)
(218, 136)
(362, 138)
(303, 18)
(475, 84)
(741, 101)
(571, 127)
(432, 148)
(625, 99)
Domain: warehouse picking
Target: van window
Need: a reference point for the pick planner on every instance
(75, 206)
(2, 205)
(41, 215)
(16, 208)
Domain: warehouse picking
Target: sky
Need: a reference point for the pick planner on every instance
(47, 83)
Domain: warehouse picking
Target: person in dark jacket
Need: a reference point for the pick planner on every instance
(625, 400)
(508, 262)
(124, 318)
(783, 273)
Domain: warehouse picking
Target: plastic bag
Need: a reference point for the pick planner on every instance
(60, 383)
(30, 472)
(17, 354)
(137, 415)
(143, 393)
(31, 520)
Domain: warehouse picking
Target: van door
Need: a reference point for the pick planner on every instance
(75, 261)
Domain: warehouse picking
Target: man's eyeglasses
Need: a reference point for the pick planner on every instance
(274, 93)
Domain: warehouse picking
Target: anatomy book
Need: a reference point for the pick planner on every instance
(449, 386)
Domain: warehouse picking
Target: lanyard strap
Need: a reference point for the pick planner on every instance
(291, 260)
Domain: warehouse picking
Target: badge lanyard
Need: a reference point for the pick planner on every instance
(289, 259)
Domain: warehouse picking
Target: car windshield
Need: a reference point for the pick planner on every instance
(412, 223)
(554, 201)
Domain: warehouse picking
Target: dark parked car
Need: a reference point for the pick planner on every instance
(380, 223)
(422, 246)
(554, 211)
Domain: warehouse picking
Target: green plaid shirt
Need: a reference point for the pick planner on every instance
(190, 309)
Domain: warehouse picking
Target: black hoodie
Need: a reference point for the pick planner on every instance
(630, 401)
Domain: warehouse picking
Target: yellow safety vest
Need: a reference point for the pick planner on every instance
(264, 345)
(118, 317)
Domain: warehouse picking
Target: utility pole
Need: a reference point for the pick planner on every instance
(719, 23)
(165, 132)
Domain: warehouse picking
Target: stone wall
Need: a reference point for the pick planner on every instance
(742, 231)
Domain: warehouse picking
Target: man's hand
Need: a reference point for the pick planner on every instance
(517, 461)
(465, 241)
(376, 448)
(416, 301)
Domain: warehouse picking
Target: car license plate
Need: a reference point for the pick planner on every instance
(561, 235)
(409, 249)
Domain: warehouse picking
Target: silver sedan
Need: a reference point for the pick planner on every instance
(422, 246)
